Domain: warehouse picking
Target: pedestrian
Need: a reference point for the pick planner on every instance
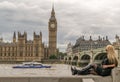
(104, 69)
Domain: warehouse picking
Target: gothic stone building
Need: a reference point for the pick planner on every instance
(22, 49)
(82, 44)
(69, 49)
(116, 44)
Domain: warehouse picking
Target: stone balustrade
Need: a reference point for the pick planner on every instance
(115, 77)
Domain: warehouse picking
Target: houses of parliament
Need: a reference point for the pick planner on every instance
(21, 49)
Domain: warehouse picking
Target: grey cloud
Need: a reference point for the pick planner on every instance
(74, 17)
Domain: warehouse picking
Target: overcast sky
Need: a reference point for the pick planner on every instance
(74, 17)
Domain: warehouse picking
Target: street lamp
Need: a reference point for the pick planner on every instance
(91, 51)
(118, 50)
(78, 49)
(118, 53)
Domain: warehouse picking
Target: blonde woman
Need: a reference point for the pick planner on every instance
(104, 69)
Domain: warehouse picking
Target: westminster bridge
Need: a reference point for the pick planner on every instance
(90, 56)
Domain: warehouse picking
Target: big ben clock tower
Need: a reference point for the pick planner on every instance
(52, 33)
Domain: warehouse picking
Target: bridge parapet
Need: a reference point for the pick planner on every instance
(116, 74)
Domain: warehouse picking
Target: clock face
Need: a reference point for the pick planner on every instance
(52, 25)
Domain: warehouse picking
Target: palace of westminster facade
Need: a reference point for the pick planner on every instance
(82, 44)
(22, 49)
(85, 45)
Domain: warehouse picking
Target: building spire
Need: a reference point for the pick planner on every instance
(53, 12)
(53, 6)
(90, 38)
(116, 36)
(106, 38)
(14, 37)
(52, 18)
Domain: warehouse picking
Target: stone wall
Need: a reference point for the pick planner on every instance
(115, 77)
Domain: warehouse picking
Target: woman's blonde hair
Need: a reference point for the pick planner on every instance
(111, 55)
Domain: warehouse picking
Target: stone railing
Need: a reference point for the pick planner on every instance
(115, 77)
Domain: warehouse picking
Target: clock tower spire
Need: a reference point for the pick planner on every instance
(52, 18)
(52, 27)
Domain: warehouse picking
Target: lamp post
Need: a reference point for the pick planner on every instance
(78, 55)
(91, 51)
(91, 60)
(118, 50)
(78, 49)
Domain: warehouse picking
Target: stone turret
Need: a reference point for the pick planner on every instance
(14, 37)
(99, 38)
(117, 38)
(106, 38)
(22, 38)
(90, 38)
(40, 35)
(1, 40)
(83, 38)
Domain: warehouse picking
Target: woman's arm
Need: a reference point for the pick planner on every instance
(107, 66)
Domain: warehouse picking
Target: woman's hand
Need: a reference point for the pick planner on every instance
(104, 66)
(107, 66)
